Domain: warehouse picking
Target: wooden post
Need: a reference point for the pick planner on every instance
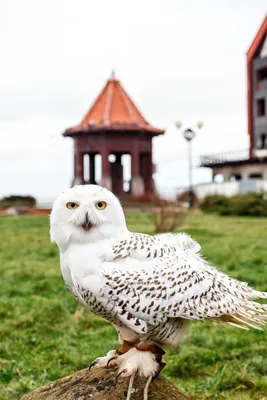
(92, 168)
(150, 183)
(78, 165)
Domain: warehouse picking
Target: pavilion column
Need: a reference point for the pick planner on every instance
(92, 168)
(106, 173)
(137, 182)
(117, 175)
(78, 166)
(149, 167)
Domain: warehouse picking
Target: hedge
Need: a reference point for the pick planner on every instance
(251, 204)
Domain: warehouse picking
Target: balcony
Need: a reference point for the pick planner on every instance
(234, 157)
(230, 189)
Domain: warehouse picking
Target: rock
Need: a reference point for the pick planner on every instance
(100, 384)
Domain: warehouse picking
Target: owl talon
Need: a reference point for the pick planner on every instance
(156, 373)
(93, 363)
(102, 362)
(111, 359)
(124, 371)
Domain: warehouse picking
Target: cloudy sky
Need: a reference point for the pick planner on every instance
(178, 59)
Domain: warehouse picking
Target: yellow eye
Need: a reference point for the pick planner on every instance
(101, 205)
(71, 206)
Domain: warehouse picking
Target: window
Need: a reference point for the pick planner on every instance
(263, 52)
(263, 141)
(261, 108)
(262, 74)
(255, 176)
(235, 177)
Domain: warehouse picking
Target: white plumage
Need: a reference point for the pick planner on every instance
(148, 287)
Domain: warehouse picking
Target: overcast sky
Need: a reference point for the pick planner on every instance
(178, 59)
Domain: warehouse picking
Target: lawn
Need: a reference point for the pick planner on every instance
(45, 334)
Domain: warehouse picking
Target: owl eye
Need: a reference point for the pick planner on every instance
(101, 205)
(71, 205)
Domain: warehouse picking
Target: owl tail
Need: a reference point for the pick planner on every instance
(259, 295)
(251, 314)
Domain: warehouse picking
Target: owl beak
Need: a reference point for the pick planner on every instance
(87, 224)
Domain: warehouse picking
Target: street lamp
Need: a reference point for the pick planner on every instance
(189, 135)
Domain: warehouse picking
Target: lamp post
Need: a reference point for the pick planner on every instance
(189, 135)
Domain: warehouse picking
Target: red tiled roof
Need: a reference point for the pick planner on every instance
(113, 110)
(254, 47)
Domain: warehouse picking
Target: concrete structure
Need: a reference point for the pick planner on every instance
(112, 128)
(230, 188)
(247, 166)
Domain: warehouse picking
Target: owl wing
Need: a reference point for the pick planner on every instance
(145, 281)
(180, 240)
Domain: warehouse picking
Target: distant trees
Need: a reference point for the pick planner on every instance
(18, 201)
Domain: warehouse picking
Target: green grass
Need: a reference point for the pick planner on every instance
(45, 334)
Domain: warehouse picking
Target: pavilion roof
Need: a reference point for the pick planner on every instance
(113, 110)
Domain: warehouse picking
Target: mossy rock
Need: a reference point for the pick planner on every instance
(100, 384)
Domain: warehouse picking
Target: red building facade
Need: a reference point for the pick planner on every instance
(257, 91)
(114, 126)
(248, 167)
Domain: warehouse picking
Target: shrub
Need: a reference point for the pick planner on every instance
(214, 203)
(16, 201)
(167, 216)
(251, 204)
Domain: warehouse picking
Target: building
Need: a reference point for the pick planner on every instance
(246, 171)
(112, 128)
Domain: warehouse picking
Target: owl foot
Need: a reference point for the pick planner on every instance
(142, 359)
(138, 361)
(102, 362)
(143, 362)
(111, 359)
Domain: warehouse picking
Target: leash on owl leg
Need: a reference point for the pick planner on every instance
(145, 395)
(130, 387)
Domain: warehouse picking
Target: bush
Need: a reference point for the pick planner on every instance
(214, 203)
(167, 216)
(251, 204)
(16, 201)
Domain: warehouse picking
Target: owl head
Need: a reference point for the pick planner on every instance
(86, 213)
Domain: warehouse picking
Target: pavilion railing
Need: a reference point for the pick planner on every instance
(221, 158)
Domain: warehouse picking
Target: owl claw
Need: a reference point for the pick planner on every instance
(102, 362)
(93, 363)
(111, 359)
(155, 374)
(124, 371)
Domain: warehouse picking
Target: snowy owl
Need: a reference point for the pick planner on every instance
(149, 288)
